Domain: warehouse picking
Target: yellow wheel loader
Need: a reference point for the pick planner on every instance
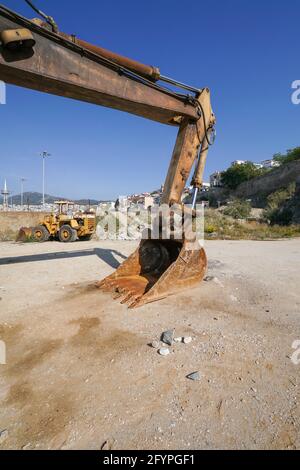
(64, 225)
(35, 54)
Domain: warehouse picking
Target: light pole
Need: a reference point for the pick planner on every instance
(44, 155)
(22, 191)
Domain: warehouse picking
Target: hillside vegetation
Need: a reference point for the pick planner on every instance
(239, 173)
(290, 156)
(219, 226)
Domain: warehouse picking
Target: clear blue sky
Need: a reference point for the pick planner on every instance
(246, 52)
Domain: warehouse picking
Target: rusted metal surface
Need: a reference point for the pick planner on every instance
(135, 285)
(174, 266)
(148, 71)
(197, 179)
(184, 154)
(54, 67)
(190, 136)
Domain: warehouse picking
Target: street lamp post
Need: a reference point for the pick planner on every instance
(22, 191)
(44, 155)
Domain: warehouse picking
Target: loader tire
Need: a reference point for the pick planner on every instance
(66, 234)
(74, 236)
(40, 234)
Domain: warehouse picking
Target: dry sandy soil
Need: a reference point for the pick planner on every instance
(80, 373)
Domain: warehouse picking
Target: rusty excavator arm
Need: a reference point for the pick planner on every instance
(35, 54)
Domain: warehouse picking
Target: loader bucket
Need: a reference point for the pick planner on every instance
(25, 233)
(157, 269)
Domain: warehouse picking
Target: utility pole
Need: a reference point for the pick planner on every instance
(22, 191)
(44, 155)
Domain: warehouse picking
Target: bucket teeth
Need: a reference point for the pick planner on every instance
(108, 286)
(135, 286)
(100, 284)
(117, 296)
(134, 303)
(127, 297)
(122, 293)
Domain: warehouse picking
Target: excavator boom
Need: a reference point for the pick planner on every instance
(59, 66)
(34, 56)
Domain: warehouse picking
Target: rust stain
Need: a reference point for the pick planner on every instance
(44, 419)
(86, 324)
(88, 330)
(9, 332)
(119, 342)
(20, 392)
(36, 355)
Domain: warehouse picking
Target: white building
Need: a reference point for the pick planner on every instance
(205, 187)
(216, 179)
(270, 164)
(243, 162)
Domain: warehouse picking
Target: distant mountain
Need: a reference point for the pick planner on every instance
(33, 199)
(85, 202)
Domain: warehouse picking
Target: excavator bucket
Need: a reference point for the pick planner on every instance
(157, 269)
(25, 233)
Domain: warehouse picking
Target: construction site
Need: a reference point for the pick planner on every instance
(82, 372)
(165, 320)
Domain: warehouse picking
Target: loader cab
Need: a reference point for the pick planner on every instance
(65, 207)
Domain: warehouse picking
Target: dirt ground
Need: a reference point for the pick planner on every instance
(80, 373)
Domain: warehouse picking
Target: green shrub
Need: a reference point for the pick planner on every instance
(237, 174)
(212, 198)
(290, 156)
(282, 216)
(209, 228)
(277, 198)
(220, 227)
(276, 212)
(238, 209)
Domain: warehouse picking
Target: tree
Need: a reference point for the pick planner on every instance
(237, 174)
(279, 157)
(291, 155)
